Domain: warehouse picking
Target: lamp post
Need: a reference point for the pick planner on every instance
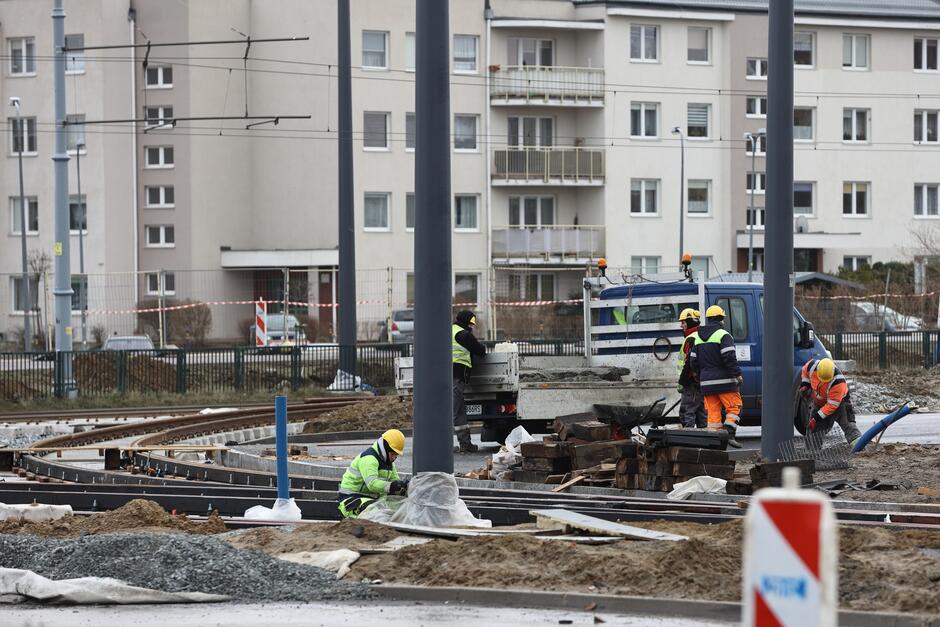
(24, 288)
(678, 131)
(755, 140)
(82, 289)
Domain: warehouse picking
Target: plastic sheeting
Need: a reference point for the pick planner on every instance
(33, 512)
(433, 501)
(338, 561)
(510, 454)
(697, 485)
(18, 585)
(284, 509)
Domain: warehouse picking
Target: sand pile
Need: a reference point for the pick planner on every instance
(385, 412)
(348, 534)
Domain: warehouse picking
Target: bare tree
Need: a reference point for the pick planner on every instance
(40, 263)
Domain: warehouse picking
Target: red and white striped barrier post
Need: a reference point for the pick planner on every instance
(791, 554)
(261, 323)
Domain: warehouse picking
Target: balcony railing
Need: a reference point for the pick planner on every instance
(539, 166)
(556, 243)
(534, 84)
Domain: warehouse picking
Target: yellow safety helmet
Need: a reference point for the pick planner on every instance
(395, 440)
(826, 370)
(714, 311)
(688, 312)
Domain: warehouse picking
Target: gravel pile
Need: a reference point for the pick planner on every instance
(22, 441)
(875, 398)
(174, 563)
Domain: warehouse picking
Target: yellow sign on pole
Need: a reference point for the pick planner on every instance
(58, 249)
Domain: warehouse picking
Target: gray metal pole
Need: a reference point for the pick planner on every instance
(63, 278)
(24, 224)
(347, 206)
(681, 195)
(752, 216)
(82, 288)
(777, 413)
(433, 424)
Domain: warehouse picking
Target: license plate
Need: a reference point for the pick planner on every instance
(474, 410)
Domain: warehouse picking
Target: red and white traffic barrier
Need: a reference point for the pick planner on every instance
(261, 323)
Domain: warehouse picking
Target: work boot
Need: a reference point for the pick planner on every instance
(466, 446)
(731, 432)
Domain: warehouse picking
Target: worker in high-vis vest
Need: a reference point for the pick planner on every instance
(714, 362)
(372, 475)
(464, 347)
(691, 406)
(827, 399)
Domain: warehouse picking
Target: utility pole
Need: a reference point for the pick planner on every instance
(82, 286)
(751, 212)
(433, 426)
(63, 278)
(24, 224)
(347, 205)
(677, 130)
(777, 412)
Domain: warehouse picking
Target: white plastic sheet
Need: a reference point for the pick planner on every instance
(338, 561)
(345, 382)
(510, 454)
(284, 509)
(697, 485)
(433, 501)
(33, 512)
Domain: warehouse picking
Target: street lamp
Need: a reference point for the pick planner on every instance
(678, 131)
(24, 289)
(754, 139)
(82, 290)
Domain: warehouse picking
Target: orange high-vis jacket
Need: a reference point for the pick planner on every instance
(828, 396)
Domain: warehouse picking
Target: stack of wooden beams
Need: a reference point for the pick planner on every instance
(660, 469)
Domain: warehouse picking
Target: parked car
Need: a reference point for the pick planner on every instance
(128, 343)
(868, 317)
(403, 327)
(296, 331)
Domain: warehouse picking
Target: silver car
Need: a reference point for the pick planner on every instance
(403, 327)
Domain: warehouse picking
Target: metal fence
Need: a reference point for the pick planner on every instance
(879, 351)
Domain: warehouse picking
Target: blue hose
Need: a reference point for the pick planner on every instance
(880, 426)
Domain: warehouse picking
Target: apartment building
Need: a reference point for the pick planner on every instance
(571, 123)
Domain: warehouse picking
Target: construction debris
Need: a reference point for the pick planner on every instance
(567, 521)
(659, 469)
(770, 474)
(378, 414)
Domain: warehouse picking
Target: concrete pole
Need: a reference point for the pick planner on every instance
(347, 205)
(82, 286)
(24, 223)
(777, 413)
(433, 423)
(63, 271)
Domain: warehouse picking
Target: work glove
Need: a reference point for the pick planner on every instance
(398, 488)
(811, 425)
(804, 390)
(740, 380)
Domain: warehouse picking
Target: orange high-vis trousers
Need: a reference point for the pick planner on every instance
(730, 401)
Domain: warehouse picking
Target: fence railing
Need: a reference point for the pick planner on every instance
(879, 351)
(556, 241)
(541, 83)
(585, 166)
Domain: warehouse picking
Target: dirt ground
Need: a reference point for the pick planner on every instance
(385, 412)
(137, 515)
(349, 534)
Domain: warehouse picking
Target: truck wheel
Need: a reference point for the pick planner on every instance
(797, 410)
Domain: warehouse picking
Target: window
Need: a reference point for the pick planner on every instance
(643, 122)
(698, 120)
(855, 125)
(925, 54)
(75, 132)
(532, 286)
(411, 129)
(736, 319)
(466, 289)
(75, 54)
(465, 212)
(925, 126)
(22, 56)
(465, 53)
(161, 236)
(159, 77)
(761, 144)
(374, 50)
(32, 215)
(410, 288)
(409, 212)
(756, 217)
(465, 132)
(530, 131)
(160, 196)
(531, 211)
(803, 198)
(376, 211)
(79, 292)
(855, 51)
(855, 262)
(159, 156)
(410, 52)
(699, 197)
(526, 51)
(153, 283)
(699, 44)
(701, 265)
(803, 49)
(18, 295)
(854, 199)
(375, 131)
(159, 117)
(925, 200)
(644, 46)
(22, 135)
(78, 214)
(756, 69)
(756, 181)
(644, 196)
(644, 265)
(803, 123)
(756, 107)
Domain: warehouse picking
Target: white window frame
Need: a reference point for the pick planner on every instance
(643, 108)
(760, 107)
(760, 218)
(362, 41)
(854, 38)
(476, 212)
(761, 144)
(76, 298)
(388, 211)
(161, 163)
(698, 183)
(388, 120)
(643, 58)
(921, 190)
(154, 278)
(855, 214)
(75, 60)
(520, 132)
(411, 53)
(644, 184)
(812, 125)
(476, 132)
(28, 122)
(708, 45)
(923, 54)
(644, 263)
(761, 179)
(540, 46)
(162, 230)
(414, 134)
(161, 71)
(924, 115)
(759, 63)
(15, 293)
(476, 279)
(708, 122)
(855, 111)
(23, 43)
(812, 50)
(162, 120)
(523, 277)
(31, 203)
(410, 196)
(540, 199)
(162, 204)
(83, 200)
(812, 191)
(476, 55)
(855, 264)
(75, 133)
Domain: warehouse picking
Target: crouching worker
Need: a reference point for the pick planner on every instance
(827, 399)
(372, 475)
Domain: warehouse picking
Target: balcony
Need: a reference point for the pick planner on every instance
(546, 85)
(549, 166)
(548, 244)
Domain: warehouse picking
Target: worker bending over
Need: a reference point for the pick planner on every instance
(372, 475)
(691, 408)
(826, 395)
(465, 346)
(715, 365)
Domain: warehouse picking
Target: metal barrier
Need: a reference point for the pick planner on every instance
(878, 351)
